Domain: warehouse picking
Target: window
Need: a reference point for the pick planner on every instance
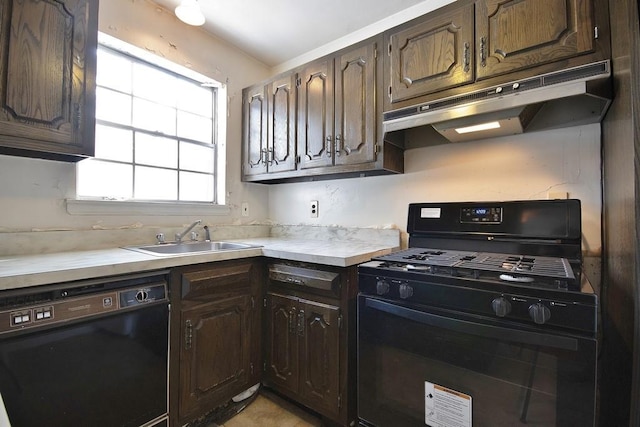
(157, 133)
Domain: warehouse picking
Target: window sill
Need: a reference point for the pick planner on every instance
(117, 207)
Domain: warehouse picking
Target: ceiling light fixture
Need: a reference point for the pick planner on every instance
(189, 12)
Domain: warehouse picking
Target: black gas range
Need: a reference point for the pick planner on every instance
(490, 302)
(518, 260)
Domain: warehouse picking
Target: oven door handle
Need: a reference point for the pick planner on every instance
(474, 328)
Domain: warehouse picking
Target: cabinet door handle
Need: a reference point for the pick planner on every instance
(483, 51)
(329, 146)
(296, 281)
(467, 57)
(301, 323)
(77, 116)
(272, 156)
(188, 335)
(292, 321)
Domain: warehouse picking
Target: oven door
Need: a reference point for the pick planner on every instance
(422, 366)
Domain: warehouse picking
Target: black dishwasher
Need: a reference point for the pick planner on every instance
(88, 353)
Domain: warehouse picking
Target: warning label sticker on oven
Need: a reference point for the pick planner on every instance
(444, 407)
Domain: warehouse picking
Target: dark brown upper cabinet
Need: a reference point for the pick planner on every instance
(269, 127)
(254, 131)
(355, 112)
(516, 34)
(322, 119)
(47, 78)
(337, 119)
(281, 136)
(489, 42)
(315, 114)
(431, 56)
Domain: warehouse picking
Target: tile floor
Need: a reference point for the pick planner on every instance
(268, 410)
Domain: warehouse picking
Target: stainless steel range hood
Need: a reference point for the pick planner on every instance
(574, 96)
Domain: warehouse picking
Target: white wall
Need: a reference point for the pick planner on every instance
(32, 192)
(528, 166)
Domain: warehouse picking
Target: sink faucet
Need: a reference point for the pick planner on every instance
(179, 236)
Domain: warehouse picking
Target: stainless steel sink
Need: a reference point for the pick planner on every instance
(190, 248)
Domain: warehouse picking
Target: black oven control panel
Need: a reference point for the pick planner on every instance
(481, 215)
(550, 310)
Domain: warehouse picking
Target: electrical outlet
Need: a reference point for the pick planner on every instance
(313, 209)
(245, 209)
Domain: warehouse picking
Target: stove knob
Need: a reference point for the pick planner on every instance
(405, 291)
(539, 313)
(501, 307)
(382, 287)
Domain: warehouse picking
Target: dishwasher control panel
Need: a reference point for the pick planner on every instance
(59, 305)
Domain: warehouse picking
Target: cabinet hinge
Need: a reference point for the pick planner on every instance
(376, 149)
(340, 321)
(298, 82)
(298, 160)
(389, 92)
(339, 401)
(389, 49)
(595, 32)
(375, 53)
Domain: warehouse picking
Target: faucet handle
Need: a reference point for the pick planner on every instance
(160, 238)
(194, 236)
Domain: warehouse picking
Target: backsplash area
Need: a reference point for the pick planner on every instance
(42, 242)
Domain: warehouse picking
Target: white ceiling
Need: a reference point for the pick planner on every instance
(277, 31)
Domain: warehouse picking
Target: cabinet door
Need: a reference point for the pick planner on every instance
(215, 346)
(319, 355)
(355, 106)
(254, 134)
(431, 56)
(47, 77)
(282, 342)
(516, 34)
(282, 125)
(315, 115)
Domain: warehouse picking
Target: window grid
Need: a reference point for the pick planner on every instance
(179, 140)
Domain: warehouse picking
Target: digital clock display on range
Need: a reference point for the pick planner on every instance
(481, 214)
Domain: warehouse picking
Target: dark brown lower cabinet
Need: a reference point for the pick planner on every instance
(307, 354)
(216, 331)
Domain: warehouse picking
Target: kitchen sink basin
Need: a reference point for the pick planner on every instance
(190, 248)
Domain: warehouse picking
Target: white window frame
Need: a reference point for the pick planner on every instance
(99, 206)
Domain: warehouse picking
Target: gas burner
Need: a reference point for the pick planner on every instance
(546, 272)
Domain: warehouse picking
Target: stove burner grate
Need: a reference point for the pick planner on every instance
(479, 263)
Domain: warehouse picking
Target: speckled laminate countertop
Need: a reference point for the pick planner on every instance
(32, 270)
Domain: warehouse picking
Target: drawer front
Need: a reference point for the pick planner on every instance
(216, 281)
(305, 278)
